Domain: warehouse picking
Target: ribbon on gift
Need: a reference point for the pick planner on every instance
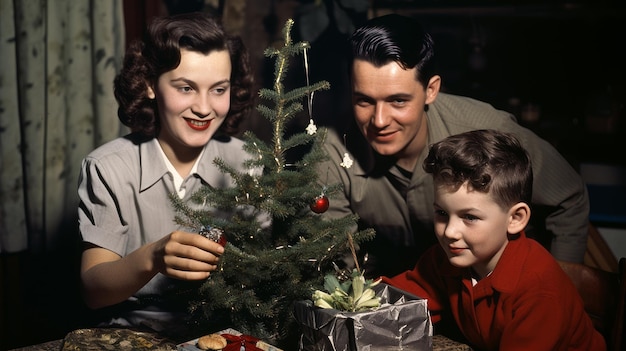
(240, 343)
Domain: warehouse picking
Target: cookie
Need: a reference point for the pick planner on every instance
(212, 342)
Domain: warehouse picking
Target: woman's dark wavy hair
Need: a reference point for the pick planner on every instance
(159, 52)
(490, 161)
(395, 38)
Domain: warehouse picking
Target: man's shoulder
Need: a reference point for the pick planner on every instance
(468, 112)
(463, 103)
(338, 145)
(332, 135)
(335, 142)
(448, 99)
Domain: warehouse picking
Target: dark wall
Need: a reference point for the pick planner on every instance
(559, 69)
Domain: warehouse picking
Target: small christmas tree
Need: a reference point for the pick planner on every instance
(269, 264)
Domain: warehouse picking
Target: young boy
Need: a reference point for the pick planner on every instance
(503, 290)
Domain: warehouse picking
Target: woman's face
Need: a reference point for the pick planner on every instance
(193, 101)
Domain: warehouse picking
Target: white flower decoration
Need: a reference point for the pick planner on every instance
(347, 161)
(311, 128)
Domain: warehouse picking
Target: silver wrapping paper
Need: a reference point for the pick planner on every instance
(401, 323)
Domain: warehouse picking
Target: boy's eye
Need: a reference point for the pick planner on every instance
(470, 218)
(441, 213)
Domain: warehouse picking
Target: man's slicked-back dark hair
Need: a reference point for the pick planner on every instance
(395, 38)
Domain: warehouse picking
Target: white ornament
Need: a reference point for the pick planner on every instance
(311, 128)
(347, 161)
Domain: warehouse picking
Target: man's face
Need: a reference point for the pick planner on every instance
(388, 104)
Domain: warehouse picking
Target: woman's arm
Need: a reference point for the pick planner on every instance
(108, 279)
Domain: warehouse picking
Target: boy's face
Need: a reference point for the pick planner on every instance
(471, 228)
(193, 100)
(388, 103)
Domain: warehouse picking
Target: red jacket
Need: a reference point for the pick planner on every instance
(526, 303)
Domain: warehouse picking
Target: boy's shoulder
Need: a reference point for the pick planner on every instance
(541, 262)
(527, 264)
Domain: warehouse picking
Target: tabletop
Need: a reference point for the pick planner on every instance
(125, 339)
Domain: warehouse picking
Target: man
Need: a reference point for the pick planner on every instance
(398, 112)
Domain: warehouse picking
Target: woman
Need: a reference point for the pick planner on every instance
(182, 91)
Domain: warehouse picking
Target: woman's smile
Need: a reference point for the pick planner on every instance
(198, 125)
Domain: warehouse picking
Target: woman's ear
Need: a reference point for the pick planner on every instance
(519, 215)
(150, 92)
(434, 84)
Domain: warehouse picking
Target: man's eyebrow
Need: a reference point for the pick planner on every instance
(400, 96)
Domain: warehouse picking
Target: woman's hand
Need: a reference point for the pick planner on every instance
(187, 256)
(108, 279)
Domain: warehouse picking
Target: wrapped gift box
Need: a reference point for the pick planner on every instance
(401, 323)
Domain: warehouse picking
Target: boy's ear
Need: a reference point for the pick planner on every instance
(519, 217)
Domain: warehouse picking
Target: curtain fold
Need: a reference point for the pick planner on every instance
(59, 59)
(12, 206)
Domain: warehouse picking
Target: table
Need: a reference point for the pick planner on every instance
(126, 339)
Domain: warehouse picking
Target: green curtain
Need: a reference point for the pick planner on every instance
(59, 58)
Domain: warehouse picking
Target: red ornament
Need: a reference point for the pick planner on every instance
(214, 234)
(320, 205)
(222, 240)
